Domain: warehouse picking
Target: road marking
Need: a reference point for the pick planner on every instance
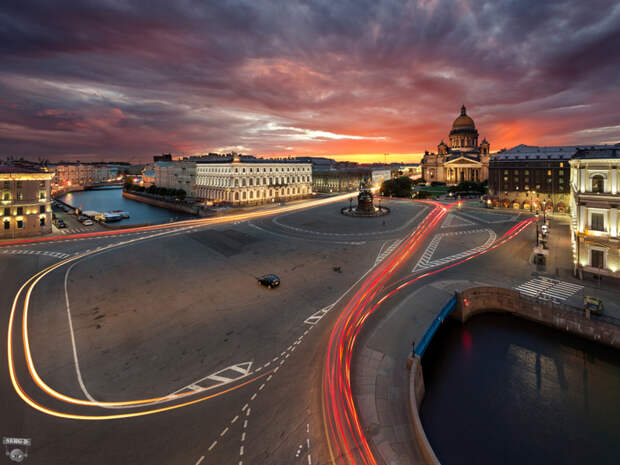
(450, 217)
(34, 252)
(253, 396)
(244, 407)
(217, 379)
(243, 436)
(547, 288)
(212, 446)
(234, 419)
(503, 217)
(247, 414)
(384, 253)
(425, 260)
(200, 460)
(241, 450)
(224, 431)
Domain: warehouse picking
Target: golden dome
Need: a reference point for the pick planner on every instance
(463, 121)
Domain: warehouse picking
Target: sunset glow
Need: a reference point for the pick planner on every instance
(350, 81)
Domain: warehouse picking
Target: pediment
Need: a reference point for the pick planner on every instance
(464, 161)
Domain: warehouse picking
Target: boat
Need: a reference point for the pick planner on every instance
(109, 217)
(123, 213)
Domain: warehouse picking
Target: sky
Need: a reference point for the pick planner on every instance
(109, 79)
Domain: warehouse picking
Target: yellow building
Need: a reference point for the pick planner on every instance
(25, 202)
(595, 198)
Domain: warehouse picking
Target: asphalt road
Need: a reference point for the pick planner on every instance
(168, 314)
(177, 315)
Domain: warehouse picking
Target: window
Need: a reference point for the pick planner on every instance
(19, 184)
(597, 258)
(42, 209)
(20, 210)
(41, 195)
(42, 221)
(505, 171)
(597, 222)
(42, 184)
(598, 184)
(20, 196)
(20, 224)
(7, 211)
(6, 196)
(527, 172)
(548, 172)
(6, 184)
(7, 225)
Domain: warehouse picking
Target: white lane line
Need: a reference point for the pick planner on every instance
(244, 407)
(243, 436)
(224, 431)
(199, 461)
(234, 419)
(247, 414)
(253, 396)
(245, 423)
(261, 387)
(241, 450)
(212, 446)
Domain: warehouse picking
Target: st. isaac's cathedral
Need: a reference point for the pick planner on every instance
(464, 160)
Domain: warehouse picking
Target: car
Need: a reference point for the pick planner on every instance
(87, 222)
(269, 280)
(61, 225)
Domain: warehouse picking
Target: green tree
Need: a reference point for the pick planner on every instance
(399, 187)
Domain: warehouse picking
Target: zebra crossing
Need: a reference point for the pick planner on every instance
(387, 251)
(547, 288)
(33, 252)
(85, 229)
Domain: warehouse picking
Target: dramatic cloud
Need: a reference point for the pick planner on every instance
(112, 79)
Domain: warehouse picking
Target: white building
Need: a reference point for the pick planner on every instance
(252, 181)
(595, 198)
(78, 174)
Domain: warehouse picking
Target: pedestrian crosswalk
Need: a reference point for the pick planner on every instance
(547, 288)
(33, 252)
(85, 229)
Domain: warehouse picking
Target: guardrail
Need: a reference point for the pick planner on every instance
(430, 332)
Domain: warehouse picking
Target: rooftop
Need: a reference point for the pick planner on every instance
(534, 152)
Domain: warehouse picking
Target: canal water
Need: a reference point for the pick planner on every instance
(111, 198)
(502, 390)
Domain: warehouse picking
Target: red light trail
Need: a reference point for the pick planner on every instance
(346, 440)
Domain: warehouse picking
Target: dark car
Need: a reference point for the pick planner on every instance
(269, 280)
(61, 224)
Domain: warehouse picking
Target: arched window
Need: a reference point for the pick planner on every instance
(243, 182)
(243, 196)
(270, 192)
(251, 182)
(251, 194)
(598, 183)
(236, 195)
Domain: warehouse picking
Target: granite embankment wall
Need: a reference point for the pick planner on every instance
(493, 299)
(160, 203)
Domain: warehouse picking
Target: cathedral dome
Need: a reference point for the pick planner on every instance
(463, 121)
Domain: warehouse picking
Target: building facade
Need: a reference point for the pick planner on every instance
(532, 178)
(250, 181)
(595, 200)
(175, 175)
(463, 160)
(25, 202)
(79, 174)
(347, 179)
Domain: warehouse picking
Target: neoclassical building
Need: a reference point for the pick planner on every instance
(252, 181)
(463, 160)
(595, 200)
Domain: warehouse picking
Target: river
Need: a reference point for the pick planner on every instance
(502, 390)
(111, 198)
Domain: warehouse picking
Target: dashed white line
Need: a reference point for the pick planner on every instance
(253, 396)
(224, 431)
(212, 446)
(200, 460)
(234, 419)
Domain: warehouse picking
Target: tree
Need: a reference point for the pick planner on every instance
(399, 187)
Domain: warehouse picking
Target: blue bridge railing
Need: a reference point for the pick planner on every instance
(430, 332)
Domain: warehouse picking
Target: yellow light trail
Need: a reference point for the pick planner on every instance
(33, 281)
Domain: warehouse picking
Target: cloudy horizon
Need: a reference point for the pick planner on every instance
(350, 80)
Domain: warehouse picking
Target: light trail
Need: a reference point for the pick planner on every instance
(346, 440)
(34, 280)
(192, 222)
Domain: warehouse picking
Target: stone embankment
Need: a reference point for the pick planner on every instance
(483, 299)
